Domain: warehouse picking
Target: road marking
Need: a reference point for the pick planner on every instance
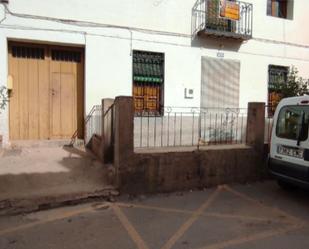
(254, 237)
(206, 214)
(130, 229)
(185, 226)
(155, 208)
(250, 199)
(244, 217)
(135, 236)
(50, 219)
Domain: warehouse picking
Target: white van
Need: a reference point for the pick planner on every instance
(289, 146)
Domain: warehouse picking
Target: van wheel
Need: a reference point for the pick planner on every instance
(286, 186)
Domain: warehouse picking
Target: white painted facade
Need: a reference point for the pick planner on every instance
(157, 26)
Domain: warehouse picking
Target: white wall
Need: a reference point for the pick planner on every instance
(108, 69)
(108, 64)
(280, 29)
(3, 77)
(164, 15)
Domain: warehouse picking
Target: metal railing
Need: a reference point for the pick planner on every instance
(206, 18)
(191, 127)
(93, 123)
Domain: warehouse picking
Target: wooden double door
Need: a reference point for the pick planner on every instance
(47, 96)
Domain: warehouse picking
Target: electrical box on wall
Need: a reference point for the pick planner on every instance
(189, 93)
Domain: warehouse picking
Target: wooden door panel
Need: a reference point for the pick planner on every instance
(44, 99)
(56, 105)
(67, 110)
(68, 98)
(23, 98)
(14, 99)
(33, 99)
(79, 71)
(47, 99)
(25, 105)
(64, 122)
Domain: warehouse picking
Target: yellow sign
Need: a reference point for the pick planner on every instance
(229, 10)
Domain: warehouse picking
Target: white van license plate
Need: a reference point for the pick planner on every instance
(290, 151)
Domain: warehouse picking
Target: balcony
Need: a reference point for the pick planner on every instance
(219, 18)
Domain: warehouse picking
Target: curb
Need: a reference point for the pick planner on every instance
(22, 206)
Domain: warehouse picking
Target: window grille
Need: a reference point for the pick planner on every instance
(148, 80)
(66, 55)
(276, 75)
(28, 52)
(148, 67)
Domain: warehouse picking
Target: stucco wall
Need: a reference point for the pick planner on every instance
(164, 15)
(108, 63)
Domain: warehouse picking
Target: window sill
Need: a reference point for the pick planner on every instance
(282, 18)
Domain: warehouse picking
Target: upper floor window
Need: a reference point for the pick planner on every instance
(277, 75)
(280, 8)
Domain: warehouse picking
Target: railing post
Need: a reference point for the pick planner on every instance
(199, 129)
(123, 138)
(106, 104)
(107, 133)
(256, 126)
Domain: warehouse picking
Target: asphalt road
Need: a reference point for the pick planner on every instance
(257, 216)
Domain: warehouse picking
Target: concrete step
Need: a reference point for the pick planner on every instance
(45, 143)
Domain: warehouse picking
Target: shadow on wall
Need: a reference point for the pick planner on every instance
(221, 43)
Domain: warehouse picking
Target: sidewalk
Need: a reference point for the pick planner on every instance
(35, 177)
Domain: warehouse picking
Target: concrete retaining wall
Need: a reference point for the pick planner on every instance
(96, 146)
(163, 172)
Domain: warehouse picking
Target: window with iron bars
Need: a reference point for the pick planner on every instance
(148, 82)
(276, 75)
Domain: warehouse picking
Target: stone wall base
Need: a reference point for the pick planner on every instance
(166, 172)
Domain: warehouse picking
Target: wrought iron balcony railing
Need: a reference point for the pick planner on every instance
(222, 18)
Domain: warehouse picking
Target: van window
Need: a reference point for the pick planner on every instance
(289, 124)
